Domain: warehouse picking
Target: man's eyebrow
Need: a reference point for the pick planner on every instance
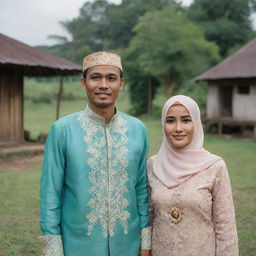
(98, 73)
(112, 74)
(94, 73)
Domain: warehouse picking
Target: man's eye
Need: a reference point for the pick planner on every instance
(113, 78)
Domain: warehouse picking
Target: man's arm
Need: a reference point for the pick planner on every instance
(142, 201)
(51, 190)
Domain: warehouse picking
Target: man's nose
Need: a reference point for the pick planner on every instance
(104, 83)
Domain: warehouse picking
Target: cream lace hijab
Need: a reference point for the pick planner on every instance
(174, 166)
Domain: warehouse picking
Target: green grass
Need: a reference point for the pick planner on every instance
(19, 190)
(19, 212)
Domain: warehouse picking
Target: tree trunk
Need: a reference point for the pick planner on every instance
(169, 89)
(149, 107)
(59, 98)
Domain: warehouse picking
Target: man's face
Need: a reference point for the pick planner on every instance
(102, 85)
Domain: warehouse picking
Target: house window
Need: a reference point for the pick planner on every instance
(244, 89)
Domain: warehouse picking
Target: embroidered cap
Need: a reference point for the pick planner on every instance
(102, 58)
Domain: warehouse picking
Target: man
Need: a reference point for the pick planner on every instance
(93, 184)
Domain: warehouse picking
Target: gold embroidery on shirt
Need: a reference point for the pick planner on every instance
(108, 159)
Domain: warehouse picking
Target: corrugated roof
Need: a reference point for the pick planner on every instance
(242, 64)
(33, 61)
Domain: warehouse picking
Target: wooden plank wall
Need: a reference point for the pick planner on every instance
(11, 108)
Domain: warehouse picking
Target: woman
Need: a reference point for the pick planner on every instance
(191, 197)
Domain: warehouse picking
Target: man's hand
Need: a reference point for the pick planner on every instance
(145, 253)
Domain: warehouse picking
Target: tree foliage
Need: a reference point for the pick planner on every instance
(171, 48)
(140, 83)
(225, 22)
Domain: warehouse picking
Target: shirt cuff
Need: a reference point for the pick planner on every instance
(51, 245)
(145, 238)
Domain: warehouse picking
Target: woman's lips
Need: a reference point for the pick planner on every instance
(179, 137)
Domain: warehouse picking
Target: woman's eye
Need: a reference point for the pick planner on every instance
(187, 120)
(170, 121)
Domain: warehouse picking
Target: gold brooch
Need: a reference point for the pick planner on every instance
(175, 214)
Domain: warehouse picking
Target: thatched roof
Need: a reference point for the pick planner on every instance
(239, 65)
(31, 61)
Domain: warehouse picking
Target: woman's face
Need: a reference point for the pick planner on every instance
(178, 126)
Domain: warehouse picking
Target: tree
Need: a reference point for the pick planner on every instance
(142, 86)
(88, 27)
(225, 22)
(168, 47)
(104, 26)
(121, 19)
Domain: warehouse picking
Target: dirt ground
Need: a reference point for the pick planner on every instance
(20, 163)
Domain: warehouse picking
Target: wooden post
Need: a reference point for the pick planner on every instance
(59, 98)
(11, 107)
(220, 128)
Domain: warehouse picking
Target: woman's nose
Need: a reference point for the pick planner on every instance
(178, 126)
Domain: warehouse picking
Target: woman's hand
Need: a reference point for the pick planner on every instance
(145, 253)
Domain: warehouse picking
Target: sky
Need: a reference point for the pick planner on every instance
(32, 21)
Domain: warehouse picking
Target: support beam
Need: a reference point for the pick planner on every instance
(59, 98)
(220, 128)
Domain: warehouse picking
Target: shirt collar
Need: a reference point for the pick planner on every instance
(98, 118)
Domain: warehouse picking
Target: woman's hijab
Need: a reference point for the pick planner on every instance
(174, 166)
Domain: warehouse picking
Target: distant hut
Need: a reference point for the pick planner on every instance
(16, 61)
(231, 100)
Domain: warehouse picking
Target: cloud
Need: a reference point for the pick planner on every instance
(31, 21)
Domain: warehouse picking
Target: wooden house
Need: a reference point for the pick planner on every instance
(16, 61)
(231, 100)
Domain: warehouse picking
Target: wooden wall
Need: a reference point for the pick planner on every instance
(11, 108)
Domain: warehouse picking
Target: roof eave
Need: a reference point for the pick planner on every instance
(33, 70)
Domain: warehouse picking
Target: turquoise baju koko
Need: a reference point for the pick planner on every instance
(94, 187)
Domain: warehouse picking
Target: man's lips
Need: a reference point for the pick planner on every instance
(103, 93)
